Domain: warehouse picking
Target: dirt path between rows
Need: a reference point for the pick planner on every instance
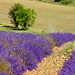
(51, 64)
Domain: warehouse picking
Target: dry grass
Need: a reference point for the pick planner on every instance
(50, 18)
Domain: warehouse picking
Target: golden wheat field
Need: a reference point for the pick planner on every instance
(50, 17)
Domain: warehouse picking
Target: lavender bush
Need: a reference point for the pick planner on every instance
(61, 38)
(69, 66)
(11, 61)
(22, 51)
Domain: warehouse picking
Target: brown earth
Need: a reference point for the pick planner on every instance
(51, 64)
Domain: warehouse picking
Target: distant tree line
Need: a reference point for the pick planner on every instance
(65, 2)
(57, 0)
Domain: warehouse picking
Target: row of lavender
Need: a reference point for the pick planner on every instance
(61, 38)
(22, 51)
(19, 52)
(69, 66)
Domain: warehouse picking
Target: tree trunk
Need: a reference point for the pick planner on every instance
(24, 24)
(16, 25)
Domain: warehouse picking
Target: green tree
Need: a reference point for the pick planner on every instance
(25, 17)
(65, 2)
(15, 8)
(22, 17)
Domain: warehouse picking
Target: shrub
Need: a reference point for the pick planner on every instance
(12, 15)
(43, 34)
(66, 2)
(25, 17)
(21, 16)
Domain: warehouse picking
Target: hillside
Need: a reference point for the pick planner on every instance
(50, 17)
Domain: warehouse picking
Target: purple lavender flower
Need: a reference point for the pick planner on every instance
(61, 38)
(23, 51)
(69, 66)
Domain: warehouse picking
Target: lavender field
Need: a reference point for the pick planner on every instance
(69, 66)
(20, 52)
